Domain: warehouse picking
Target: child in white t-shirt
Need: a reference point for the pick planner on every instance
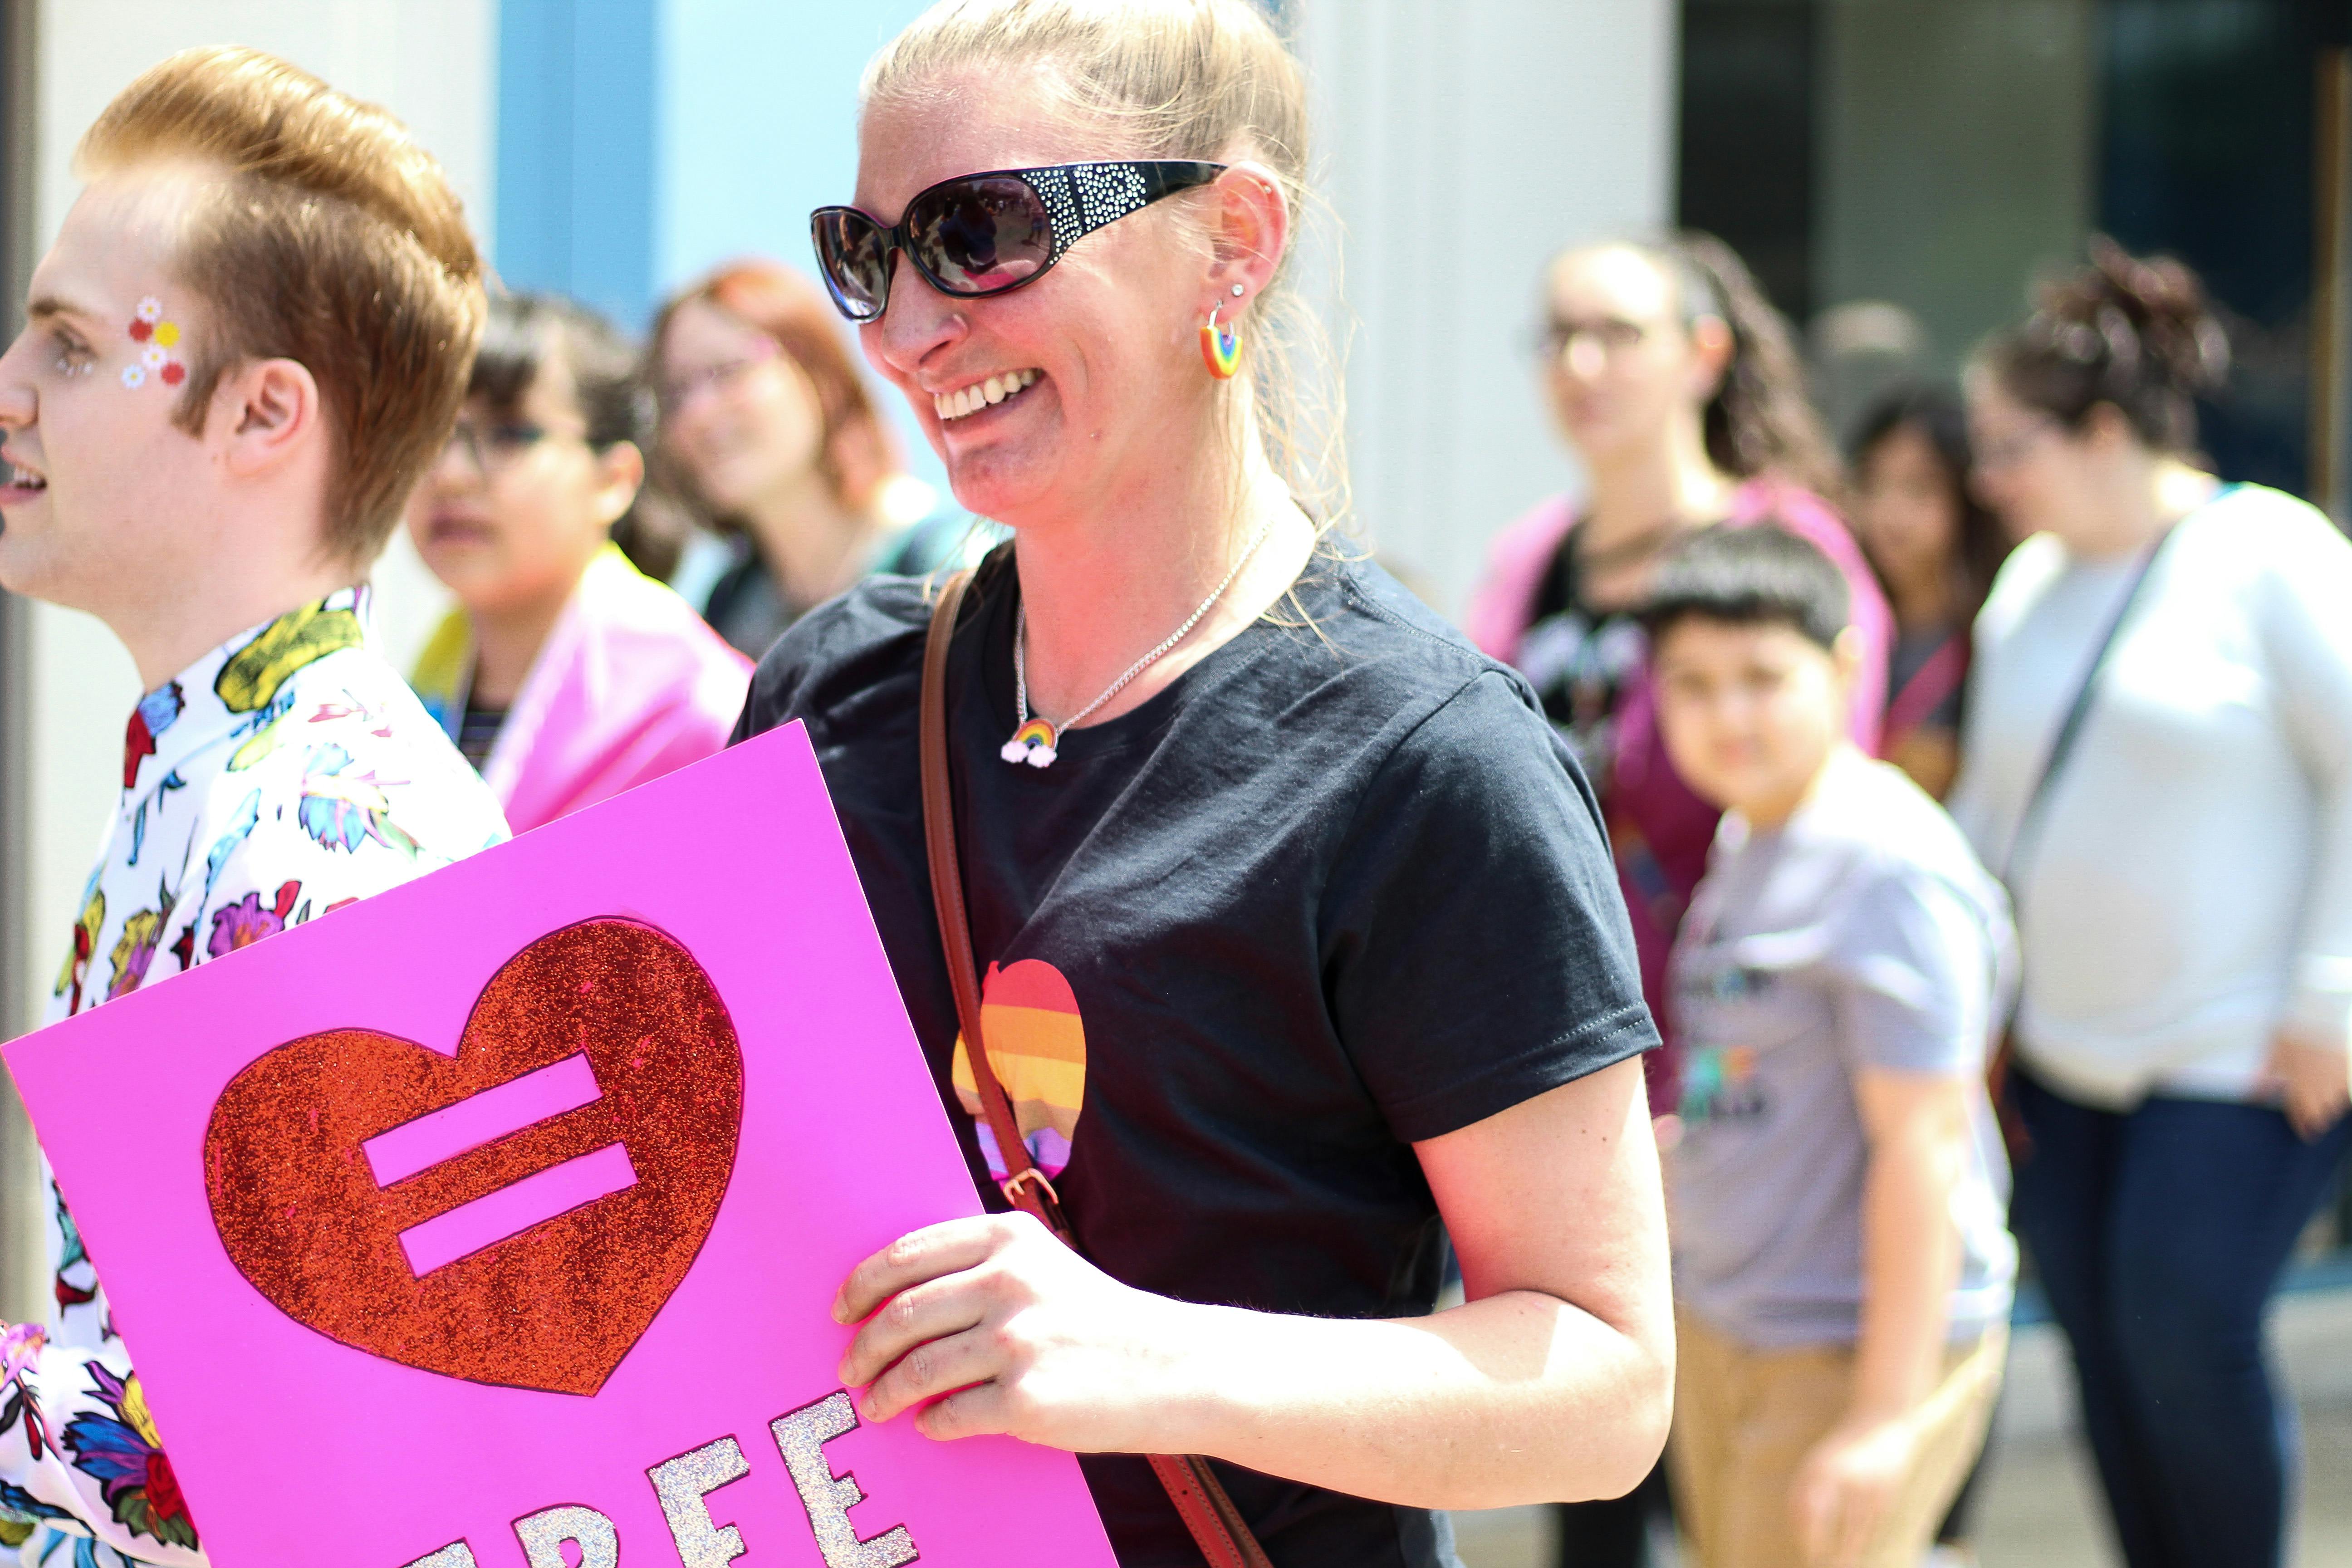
(1843, 1268)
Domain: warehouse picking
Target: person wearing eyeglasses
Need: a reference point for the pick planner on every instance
(566, 675)
(1284, 926)
(2158, 759)
(1674, 381)
(767, 432)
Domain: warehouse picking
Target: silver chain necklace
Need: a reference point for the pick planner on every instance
(1035, 738)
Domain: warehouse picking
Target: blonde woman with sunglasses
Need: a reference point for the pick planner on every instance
(1295, 939)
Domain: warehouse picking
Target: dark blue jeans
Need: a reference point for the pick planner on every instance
(2159, 1235)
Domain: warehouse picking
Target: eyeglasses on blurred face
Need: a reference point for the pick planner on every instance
(1556, 340)
(495, 446)
(726, 377)
(988, 233)
(1996, 453)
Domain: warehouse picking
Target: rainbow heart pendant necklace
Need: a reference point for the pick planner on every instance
(1034, 741)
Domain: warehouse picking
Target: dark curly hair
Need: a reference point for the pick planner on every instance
(2135, 334)
(1759, 420)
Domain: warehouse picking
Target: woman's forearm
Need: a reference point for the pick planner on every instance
(1555, 1383)
(1518, 1398)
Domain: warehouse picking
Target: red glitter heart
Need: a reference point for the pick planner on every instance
(557, 1306)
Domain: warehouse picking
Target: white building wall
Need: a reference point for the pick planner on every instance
(432, 62)
(1462, 144)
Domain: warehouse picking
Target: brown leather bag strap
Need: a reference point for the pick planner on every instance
(1025, 1187)
(1216, 1525)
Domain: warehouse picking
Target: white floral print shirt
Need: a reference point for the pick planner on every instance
(281, 776)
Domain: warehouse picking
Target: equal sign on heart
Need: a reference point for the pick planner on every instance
(443, 1135)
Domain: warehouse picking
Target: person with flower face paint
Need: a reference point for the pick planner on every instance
(1301, 945)
(208, 463)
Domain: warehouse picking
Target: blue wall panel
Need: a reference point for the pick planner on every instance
(579, 149)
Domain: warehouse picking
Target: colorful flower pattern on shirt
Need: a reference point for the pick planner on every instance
(285, 775)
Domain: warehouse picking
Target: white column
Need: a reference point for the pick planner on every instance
(1462, 144)
(433, 63)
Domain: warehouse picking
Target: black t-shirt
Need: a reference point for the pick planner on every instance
(1336, 890)
(1581, 659)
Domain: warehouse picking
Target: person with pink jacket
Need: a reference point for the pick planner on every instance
(1674, 381)
(565, 674)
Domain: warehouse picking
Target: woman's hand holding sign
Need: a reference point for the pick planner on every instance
(1003, 1329)
(1021, 1336)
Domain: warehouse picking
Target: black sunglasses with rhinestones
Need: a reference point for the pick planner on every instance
(987, 233)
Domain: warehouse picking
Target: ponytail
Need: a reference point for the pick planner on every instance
(1760, 420)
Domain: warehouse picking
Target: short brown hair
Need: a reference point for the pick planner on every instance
(335, 242)
(2135, 334)
(855, 449)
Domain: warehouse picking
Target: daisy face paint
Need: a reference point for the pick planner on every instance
(157, 338)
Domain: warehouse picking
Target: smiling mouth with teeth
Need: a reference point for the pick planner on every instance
(26, 480)
(979, 394)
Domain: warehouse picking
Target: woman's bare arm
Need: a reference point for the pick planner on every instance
(1554, 1381)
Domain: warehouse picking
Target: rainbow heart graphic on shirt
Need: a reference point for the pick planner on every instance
(1037, 1044)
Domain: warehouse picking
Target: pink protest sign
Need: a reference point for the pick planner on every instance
(496, 1220)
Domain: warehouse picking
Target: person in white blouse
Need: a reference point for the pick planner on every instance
(2159, 763)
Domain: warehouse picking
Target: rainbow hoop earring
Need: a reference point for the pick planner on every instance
(1221, 346)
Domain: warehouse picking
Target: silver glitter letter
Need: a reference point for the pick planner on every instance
(457, 1555)
(543, 1533)
(680, 1483)
(802, 1436)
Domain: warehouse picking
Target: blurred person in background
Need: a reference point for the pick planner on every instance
(565, 674)
(1859, 351)
(1936, 546)
(2158, 759)
(1675, 381)
(1842, 1265)
(768, 432)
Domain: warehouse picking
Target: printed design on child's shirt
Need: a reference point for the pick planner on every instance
(1037, 1044)
(1719, 1086)
(1719, 1081)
